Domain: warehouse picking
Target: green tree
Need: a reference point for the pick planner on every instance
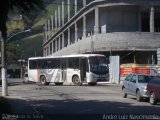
(13, 53)
(24, 6)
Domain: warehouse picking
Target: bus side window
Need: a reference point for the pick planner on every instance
(55, 63)
(49, 64)
(42, 64)
(73, 63)
(32, 64)
(58, 63)
(64, 63)
(52, 63)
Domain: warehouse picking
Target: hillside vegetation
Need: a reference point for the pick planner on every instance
(30, 42)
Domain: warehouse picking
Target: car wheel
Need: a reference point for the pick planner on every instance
(124, 95)
(138, 96)
(152, 99)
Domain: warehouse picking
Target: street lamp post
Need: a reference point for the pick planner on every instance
(3, 61)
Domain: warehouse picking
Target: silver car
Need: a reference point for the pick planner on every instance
(136, 84)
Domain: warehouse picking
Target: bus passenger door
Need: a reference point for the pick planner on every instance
(83, 66)
(64, 69)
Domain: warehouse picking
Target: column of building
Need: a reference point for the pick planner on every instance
(56, 46)
(56, 28)
(49, 28)
(76, 32)
(46, 38)
(69, 37)
(152, 19)
(52, 32)
(62, 23)
(68, 2)
(84, 21)
(55, 20)
(84, 27)
(45, 33)
(46, 29)
(50, 48)
(59, 42)
(63, 40)
(84, 3)
(76, 28)
(59, 17)
(96, 27)
(51, 23)
(59, 26)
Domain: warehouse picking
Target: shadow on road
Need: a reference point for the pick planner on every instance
(14, 83)
(74, 109)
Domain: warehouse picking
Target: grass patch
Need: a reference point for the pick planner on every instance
(4, 106)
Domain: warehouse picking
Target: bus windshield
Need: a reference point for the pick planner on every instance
(98, 65)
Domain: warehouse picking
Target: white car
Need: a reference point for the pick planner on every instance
(25, 77)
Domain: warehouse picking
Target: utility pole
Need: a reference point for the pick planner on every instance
(3, 67)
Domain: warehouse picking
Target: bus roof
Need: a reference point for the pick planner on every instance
(74, 55)
(82, 55)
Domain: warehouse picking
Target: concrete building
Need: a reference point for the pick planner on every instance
(129, 28)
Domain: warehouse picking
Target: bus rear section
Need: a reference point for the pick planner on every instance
(45, 70)
(33, 72)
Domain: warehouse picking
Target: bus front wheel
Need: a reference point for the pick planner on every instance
(76, 80)
(43, 80)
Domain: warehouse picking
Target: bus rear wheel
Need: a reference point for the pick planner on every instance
(76, 80)
(43, 80)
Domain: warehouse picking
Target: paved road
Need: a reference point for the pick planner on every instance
(103, 101)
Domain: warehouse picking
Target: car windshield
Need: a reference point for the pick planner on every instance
(143, 79)
(98, 65)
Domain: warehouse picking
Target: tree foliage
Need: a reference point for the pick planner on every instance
(13, 53)
(24, 6)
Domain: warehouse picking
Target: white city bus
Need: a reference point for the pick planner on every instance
(76, 69)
